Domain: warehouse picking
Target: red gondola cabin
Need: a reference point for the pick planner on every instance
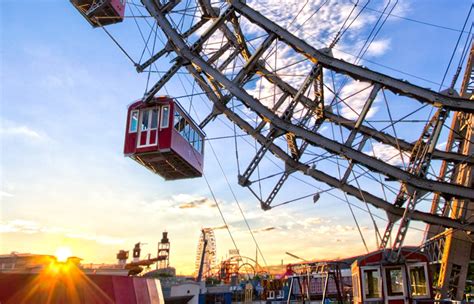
(101, 12)
(161, 136)
(375, 281)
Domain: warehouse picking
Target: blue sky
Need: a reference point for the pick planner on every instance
(65, 88)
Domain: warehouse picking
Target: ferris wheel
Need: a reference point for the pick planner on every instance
(339, 127)
(205, 254)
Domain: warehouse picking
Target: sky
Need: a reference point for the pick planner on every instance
(64, 180)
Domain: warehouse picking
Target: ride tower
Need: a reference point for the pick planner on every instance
(163, 252)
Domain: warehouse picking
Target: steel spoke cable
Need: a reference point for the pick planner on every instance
(236, 148)
(312, 14)
(216, 201)
(455, 47)
(148, 39)
(238, 204)
(377, 232)
(340, 33)
(361, 52)
(418, 21)
(227, 137)
(148, 49)
(119, 46)
(302, 197)
(220, 211)
(232, 192)
(360, 55)
(342, 100)
(379, 176)
(393, 129)
(345, 194)
(357, 223)
(235, 198)
(270, 52)
(149, 68)
(146, 21)
(464, 53)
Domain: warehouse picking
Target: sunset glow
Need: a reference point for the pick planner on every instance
(62, 254)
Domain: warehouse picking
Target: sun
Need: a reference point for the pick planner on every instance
(63, 253)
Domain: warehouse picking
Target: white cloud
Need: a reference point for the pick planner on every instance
(311, 222)
(318, 30)
(264, 229)
(5, 194)
(355, 96)
(402, 9)
(21, 131)
(187, 201)
(378, 47)
(442, 145)
(389, 154)
(23, 226)
(101, 239)
(32, 227)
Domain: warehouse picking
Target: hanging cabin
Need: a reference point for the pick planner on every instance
(101, 12)
(161, 136)
(376, 281)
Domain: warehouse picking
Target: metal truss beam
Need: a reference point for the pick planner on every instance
(373, 164)
(319, 175)
(458, 249)
(357, 72)
(184, 51)
(364, 130)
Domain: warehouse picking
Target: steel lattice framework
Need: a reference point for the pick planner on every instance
(291, 126)
(206, 252)
(220, 88)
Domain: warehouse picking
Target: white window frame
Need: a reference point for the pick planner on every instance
(158, 121)
(385, 285)
(130, 122)
(362, 283)
(150, 118)
(161, 117)
(280, 294)
(427, 284)
(176, 119)
(271, 295)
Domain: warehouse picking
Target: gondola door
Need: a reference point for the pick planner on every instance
(395, 285)
(148, 131)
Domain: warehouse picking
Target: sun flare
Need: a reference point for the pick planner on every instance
(63, 253)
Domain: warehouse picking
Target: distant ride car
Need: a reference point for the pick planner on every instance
(101, 12)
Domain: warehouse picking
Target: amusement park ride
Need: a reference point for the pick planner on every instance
(161, 135)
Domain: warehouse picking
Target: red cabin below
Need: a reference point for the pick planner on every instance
(161, 136)
(101, 12)
(376, 281)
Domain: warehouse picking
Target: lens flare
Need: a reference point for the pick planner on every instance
(62, 254)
